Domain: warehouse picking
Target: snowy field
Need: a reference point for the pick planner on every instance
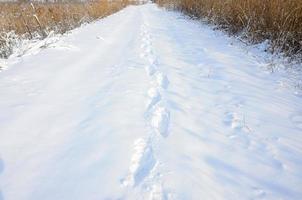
(147, 104)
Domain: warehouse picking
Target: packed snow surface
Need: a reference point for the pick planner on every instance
(147, 104)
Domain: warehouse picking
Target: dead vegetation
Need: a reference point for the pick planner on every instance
(277, 21)
(35, 20)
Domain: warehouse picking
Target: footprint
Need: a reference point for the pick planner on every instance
(233, 120)
(148, 53)
(155, 97)
(237, 101)
(160, 121)
(148, 50)
(142, 162)
(143, 32)
(153, 60)
(162, 80)
(143, 55)
(147, 40)
(145, 45)
(151, 69)
(237, 122)
(296, 119)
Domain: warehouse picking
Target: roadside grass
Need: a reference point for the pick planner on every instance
(36, 20)
(278, 22)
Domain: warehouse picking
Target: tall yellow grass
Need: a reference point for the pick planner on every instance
(277, 21)
(36, 20)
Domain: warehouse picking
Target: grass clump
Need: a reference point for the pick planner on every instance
(277, 21)
(35, 20)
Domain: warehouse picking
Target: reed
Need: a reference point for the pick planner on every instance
(277, 21)
(35, 20)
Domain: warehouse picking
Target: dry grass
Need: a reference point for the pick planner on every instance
(36, 20)
(277, 21)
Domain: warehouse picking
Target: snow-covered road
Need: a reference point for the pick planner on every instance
(146, 104)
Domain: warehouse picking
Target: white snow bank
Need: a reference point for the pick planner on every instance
(208, 120)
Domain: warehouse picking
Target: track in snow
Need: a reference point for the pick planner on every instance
(147, 104)
(144, 163)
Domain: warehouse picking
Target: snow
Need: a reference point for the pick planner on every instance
(147, 104)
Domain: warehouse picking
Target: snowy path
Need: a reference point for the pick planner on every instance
(146, 104)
